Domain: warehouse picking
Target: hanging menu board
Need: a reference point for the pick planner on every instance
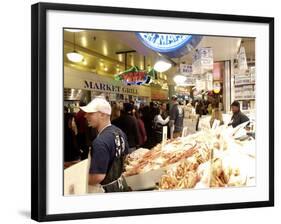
(202, 60)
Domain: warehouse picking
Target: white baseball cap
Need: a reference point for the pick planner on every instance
(98, 104)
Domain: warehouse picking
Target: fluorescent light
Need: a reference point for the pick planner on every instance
(162, 65)
(74, 56)
(179, 79)
(73, 30)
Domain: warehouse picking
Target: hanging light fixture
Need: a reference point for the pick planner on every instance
(162, 65)
(179, 79)
(74, 56)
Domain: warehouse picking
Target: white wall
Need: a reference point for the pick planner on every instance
(15, 110)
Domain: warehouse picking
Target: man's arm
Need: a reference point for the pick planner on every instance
(99, 162)
(95, 178)
(161, 121)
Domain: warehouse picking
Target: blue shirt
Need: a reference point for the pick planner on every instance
(104, 150)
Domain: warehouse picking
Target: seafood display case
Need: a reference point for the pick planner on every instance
(206, 159)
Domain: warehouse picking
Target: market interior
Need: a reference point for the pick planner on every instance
(206, 77)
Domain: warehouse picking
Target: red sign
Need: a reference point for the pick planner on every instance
(134, 77)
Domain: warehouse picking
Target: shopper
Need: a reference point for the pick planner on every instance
(210, 109)
(142, 132)
(160, 120)
(109, 148)
(238, 117)
(116, 111)
(128, 124)
(71, 149)
(216, 115)
(164, 110)
(176, 118)
(146, 118)
(83, 132)
(200, 109)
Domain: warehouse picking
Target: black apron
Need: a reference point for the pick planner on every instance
(114, 181)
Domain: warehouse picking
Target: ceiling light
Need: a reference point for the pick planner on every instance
(73, 30)
(105, 50)
(74, 56)
(105, 69)
(162, 65)
(179, 79)
(120, 58)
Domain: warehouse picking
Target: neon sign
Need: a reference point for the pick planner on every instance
(162, 43)
(135, 76)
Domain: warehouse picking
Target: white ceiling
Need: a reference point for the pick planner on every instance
(100, 47)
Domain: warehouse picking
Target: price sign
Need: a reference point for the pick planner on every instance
(164, 135)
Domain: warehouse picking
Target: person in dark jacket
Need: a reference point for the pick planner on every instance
(238, 117)
(142, 132)
(71, 149)
(128, 124)
(83, 130)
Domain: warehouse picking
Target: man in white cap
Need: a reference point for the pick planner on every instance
(108, 149)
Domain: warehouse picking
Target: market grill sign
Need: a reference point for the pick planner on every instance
(105, 87)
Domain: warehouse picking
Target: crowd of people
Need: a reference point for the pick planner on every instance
(142, 126)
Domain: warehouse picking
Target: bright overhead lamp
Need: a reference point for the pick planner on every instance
(74, 56)
(179, 79)
(162, 65)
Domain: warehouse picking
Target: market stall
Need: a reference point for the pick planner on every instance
(209, 158)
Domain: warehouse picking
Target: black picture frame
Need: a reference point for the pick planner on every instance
(38, 109)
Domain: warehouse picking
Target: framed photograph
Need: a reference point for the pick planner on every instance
(140, 111)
